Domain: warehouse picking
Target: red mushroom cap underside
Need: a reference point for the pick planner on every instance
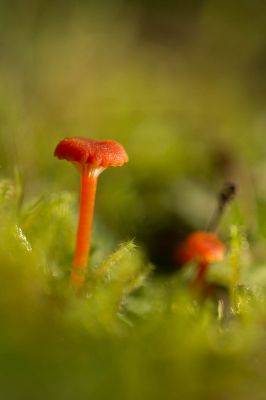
(102, 153)
(201, 246)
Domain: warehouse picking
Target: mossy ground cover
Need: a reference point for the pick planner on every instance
(181, 86)
(130, 333)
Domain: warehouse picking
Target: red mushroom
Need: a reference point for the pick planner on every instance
(201, 247)
(90, 157)
(204, 247)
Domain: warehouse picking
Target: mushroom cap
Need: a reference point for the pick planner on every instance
(201, 246)
(102, 153)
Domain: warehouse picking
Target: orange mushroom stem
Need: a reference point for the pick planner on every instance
(90, 157)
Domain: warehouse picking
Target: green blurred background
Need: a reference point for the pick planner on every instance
(181, 84)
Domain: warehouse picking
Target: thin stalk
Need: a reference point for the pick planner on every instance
(201, 273)
(86, 208)
(226, 195)
(234, 263)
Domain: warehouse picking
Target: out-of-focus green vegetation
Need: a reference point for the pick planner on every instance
(182, 86)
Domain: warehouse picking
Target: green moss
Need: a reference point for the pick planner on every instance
(182, 87)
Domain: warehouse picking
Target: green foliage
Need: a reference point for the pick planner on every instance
(130, 332)
(50, 215)
(182, 86)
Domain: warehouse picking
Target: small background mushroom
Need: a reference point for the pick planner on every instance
(202, 248)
